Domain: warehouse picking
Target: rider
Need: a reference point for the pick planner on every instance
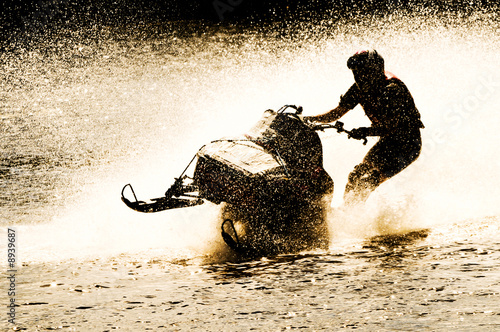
(388, 104)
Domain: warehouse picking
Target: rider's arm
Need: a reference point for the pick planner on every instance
(330, 116)
(347, 103)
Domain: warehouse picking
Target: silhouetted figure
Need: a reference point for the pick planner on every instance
(389, 105)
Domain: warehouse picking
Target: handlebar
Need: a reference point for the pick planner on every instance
(339, 126)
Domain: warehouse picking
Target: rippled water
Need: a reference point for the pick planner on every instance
(92, 110)
(419, 281)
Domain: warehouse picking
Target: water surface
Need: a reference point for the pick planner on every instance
(88, 111)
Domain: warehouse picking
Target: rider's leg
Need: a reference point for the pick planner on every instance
(362, 181)
(388, 157)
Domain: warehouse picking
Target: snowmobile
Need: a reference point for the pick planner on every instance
(270, 182)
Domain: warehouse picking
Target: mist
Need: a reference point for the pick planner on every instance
(105, 111)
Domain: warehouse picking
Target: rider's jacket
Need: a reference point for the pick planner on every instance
(390, 107)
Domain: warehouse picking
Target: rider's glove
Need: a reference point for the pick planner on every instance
(313, 125)
(359, 133)
(308, 120)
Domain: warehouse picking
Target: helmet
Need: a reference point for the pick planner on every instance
(366, 60)
(368, 69)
